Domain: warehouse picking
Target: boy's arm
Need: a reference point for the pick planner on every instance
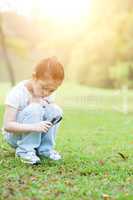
(11, 125)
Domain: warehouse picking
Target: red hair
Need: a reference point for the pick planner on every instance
(49, 67)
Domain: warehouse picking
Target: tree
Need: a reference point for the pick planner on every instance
(5, 53)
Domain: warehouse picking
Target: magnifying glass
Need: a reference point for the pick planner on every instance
(56, 119)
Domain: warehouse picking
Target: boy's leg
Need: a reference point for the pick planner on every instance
(29, 141)
(48, 139)
(31, 114)
(26, 143)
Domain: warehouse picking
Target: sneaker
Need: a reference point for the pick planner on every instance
(53, 155)
(29, 157)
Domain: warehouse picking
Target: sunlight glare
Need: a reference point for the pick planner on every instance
(64, 10)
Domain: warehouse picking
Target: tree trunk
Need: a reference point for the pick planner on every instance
(5, 54)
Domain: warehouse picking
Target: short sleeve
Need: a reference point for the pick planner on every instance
(12, 99)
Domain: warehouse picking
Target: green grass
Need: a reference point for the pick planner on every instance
(91, 166)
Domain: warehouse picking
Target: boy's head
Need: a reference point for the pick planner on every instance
(47, 77)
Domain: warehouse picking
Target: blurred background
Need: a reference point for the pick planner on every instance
(92, 38)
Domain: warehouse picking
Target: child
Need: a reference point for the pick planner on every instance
(29, 110)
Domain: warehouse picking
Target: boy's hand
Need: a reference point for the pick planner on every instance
(42, 126)
(43, 101)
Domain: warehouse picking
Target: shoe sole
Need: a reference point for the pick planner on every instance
(28, 162)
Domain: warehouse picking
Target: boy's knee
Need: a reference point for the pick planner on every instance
(34, 108)
(57, 110)
(31, 112)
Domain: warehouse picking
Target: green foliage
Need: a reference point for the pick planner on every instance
(122, 74)
(90, 51)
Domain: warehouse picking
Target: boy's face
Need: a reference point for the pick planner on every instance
(43, 88)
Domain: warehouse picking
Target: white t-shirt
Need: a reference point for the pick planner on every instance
(19, 97)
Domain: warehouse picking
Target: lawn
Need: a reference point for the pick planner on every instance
(97, 150)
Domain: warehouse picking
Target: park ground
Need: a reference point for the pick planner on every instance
(97, 150)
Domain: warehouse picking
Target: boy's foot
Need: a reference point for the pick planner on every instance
(29, 157)
(53, 155)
